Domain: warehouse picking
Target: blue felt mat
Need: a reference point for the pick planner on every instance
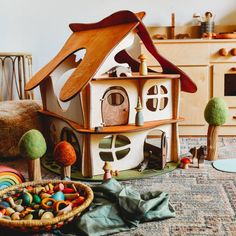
(226, 165)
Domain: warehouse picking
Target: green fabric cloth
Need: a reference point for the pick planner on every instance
(116, 208)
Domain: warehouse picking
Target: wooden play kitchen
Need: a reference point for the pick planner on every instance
(97, 113)
(211, 65)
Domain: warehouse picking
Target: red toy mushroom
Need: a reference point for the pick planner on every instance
(184, 163)
(65, 156)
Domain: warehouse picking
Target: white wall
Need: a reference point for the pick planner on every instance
(41, 26)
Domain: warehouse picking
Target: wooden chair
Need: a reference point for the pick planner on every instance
(15, 71)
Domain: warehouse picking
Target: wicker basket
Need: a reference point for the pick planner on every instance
(50, 224)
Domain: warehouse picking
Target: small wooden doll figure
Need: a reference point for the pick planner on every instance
(65, 156)
(107, 169)
(139, 115)
(143, 65)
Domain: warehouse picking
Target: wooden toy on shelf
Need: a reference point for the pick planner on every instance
(143, 70)
(32, 146)
(65, 156)
(96, 111)
(139, 121)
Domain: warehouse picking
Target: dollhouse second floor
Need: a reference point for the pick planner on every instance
(112, 101)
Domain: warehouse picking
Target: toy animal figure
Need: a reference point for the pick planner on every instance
(150, 162)
(120, 71)
(144, 164)
(199, 154)
(193, 151)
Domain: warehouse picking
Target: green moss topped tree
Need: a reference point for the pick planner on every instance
(216, 113)
(32, 146)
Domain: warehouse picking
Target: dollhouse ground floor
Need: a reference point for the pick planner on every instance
(204, 199)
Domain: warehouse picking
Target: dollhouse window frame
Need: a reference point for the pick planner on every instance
(114, 151)
(157, 98)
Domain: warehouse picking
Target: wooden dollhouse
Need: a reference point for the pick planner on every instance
(95, 112)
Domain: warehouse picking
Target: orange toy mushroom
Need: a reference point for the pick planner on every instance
(184, 163)
(65, 156)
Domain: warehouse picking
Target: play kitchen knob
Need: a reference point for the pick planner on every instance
(223, 52)
(233, 68)
(233, 51)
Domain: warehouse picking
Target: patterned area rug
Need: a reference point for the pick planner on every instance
(204, 199)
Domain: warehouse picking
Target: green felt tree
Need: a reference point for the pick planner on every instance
(32, 146)
(216, 113)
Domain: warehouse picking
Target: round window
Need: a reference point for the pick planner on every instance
(157, 98)
(114, 147)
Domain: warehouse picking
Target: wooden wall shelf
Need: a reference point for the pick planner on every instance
(138, 76)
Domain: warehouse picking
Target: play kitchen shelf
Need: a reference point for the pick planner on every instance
(211, 64)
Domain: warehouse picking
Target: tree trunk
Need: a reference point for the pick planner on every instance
(34, 170)
(212, 139)
(65, 172)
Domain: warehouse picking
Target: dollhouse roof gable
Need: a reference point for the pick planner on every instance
(99, 39)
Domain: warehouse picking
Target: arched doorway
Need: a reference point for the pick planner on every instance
(115, 107)
(155, 149)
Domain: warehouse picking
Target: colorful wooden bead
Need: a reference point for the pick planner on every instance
(47, 215)
(66, 209)
(9, 211)
(59, 196)
(68, 190)
(4, 204)
(3, 211)
(35, 206)
(45, 195)
(19, 208)
(47, 203)
(39, 189)
(51, 186)
(36, 199)
(28, 217)
(60, 205)
(15, 216)
(78, 201)
(71, 196)
(59, 187)
(30, 188)
(27, 199)
(23, 214)
(11, 201)
(40, 213)
(19, 201)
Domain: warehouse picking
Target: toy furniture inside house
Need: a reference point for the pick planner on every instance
(95, 112)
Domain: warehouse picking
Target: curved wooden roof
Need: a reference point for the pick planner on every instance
(98, 42)
(99, 39)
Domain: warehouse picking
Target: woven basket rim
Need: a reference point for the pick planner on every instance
(55, 220)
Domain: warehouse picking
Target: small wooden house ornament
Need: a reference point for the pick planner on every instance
(78, 95)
